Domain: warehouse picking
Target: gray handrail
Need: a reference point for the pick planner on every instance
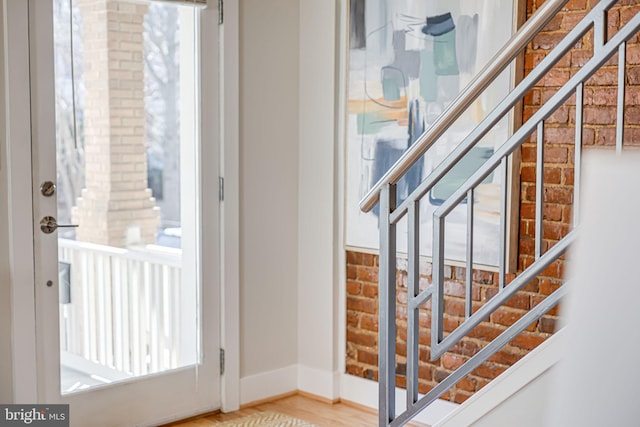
(484, 78)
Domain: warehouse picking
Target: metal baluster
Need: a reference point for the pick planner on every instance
(578, 153)
(504, 166)
(387, 315)
(539, 188)
(437, 301)
(469, 279)
(600, 31)
(413, 309)
(622, 71)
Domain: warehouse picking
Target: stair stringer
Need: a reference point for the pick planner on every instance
(509, 399)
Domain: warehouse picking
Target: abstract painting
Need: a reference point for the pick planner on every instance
(408, 60)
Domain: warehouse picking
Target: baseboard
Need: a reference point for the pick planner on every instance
(365, 393)
(320, 383)
(266, 385)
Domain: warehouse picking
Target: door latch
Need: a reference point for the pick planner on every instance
(48, 225)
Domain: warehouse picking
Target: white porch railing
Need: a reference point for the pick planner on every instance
(125, 308)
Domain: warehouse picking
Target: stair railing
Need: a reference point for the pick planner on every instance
(391, 212)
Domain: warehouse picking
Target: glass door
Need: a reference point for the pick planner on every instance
(127, 311)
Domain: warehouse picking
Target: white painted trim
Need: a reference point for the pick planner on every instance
(230, 215)
(508, 383)
(365, 393)
(25, 388)
(319, 382)
(340, 138)
(266, 385)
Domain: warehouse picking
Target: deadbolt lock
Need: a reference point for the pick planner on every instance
(48, 188)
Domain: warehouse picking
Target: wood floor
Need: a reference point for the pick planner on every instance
(302, 407)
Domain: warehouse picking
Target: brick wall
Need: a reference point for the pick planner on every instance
(116, 207)
(599, 131)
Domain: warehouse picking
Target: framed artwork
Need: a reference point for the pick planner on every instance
(408, 59)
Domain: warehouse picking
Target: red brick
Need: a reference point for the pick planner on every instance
(367, 274)
(552, 212)
(450, 324)
(467, 384)
(599, 115)
(466, 347)
(505, 357)
(452, 361)
(461, 396)
(455, 289)
(368, 260)
(555, 231)
(527, 341)
(527, 246)
(559, 135)
(552, 175)
(555, 77)
(520, 300)
(401, 348)
(506, 317)
(561, 195)
(560, 116)
(576, 5)
(370, 291)
(352, 318)
(353, 288)
(485, 331)
(361, 338)
(488, 370)
(454, 307)
(605, 96)
(547, 325)
(369, 323)
(547, 41)
(365, 305)
(606, 76)
(368, 358)
(351, 272)
(632, 115)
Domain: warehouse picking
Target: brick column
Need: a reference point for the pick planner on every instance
(116, 207)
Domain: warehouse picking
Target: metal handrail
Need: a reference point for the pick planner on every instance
(484, 78)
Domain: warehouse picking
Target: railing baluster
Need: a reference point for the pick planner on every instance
(503, 223)
(413, 311)
(600, 23)
(578, 153)
(468, 309)
(387, 315)
(622, 72)
(437, 300)
(539, 188)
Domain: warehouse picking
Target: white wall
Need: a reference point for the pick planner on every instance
(318, 202)
(6, 389)
(595, 383)
(268, 188)
(288, 265)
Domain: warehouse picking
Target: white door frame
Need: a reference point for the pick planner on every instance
(230, 215)
(21, 220)
(16, 63)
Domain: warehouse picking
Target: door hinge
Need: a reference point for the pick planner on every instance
(222, 361)
(221, 188)
(220, 12)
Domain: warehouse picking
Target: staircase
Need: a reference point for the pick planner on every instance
(391, 210)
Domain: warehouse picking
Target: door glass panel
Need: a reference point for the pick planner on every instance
(125, 77)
